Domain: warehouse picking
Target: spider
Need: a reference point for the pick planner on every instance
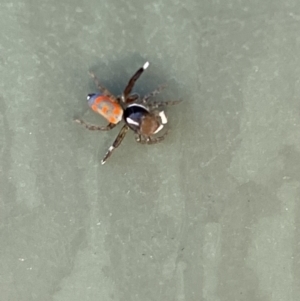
(139, 115)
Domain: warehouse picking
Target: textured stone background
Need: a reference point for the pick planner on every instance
(211, 214)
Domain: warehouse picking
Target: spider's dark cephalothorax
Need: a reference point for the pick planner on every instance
(142, 116)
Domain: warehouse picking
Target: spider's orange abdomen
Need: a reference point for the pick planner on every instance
(105, 106)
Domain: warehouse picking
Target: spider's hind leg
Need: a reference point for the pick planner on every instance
(101, 88)
(93, 127)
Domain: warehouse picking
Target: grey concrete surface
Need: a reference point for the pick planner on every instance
(212, 213)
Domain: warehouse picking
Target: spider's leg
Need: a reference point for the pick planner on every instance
(157, 104)
(100, 87)
(132, 98)
(150, 140)
(153, 93)
(132, 81)
(116, 143)
(94, 127)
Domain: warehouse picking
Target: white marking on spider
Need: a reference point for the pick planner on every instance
(111, 148)
(130, 121)
(159, 129)
(163, 117)
(146, 65)
(137, 105)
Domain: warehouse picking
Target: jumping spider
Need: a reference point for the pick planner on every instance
(139, 115)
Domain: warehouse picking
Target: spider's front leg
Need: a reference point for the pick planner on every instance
(116, 143)
(153, 93)
(93, 127)
(149, 139)
(157, 104)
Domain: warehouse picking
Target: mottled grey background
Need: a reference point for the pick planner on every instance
(212, 213)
